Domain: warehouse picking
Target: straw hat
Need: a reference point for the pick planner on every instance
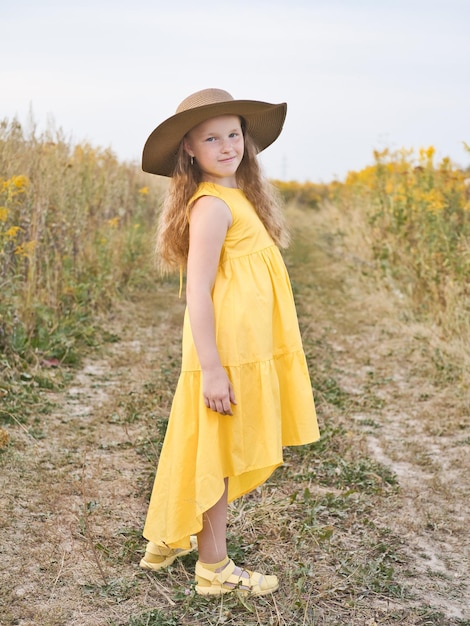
(264, 123)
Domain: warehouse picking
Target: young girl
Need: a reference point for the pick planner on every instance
(244, 390)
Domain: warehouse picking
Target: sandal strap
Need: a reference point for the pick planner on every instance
(258, 582)
(255, 581)
(217, 577)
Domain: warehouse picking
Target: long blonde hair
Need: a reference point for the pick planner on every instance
(172, 241)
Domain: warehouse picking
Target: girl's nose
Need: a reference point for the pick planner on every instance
(226, 146)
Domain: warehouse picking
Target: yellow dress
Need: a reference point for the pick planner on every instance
(259, 342)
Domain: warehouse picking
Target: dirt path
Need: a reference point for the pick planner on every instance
(414, 397)
(71, 495)
(413, 391)
(73, 489)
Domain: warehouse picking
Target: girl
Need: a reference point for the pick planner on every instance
(244, 390)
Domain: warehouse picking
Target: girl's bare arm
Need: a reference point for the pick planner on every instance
(210, 220)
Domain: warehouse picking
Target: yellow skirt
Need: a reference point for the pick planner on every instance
(274, 408)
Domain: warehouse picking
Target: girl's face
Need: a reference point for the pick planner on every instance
(217, 145)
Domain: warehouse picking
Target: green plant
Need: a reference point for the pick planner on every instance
(75, 227)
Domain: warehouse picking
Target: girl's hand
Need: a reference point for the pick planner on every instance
(217, 391)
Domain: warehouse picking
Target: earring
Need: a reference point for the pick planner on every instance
(192, 160)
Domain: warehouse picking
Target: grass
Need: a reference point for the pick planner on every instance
(360, 527)
(322, 522)
(413, 222)
(74, 234)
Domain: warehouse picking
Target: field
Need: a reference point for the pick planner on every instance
(367, 527)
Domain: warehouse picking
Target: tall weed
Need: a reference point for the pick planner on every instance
(74, 232)
(415, 218)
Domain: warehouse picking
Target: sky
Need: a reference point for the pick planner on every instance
(357, 75)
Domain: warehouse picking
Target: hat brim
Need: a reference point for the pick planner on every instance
(264, 123)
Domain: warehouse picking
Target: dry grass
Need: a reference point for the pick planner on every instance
(362, 527)
(415, 218)
(75, 227)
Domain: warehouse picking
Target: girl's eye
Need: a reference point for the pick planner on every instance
(234, 134)
(210, 139)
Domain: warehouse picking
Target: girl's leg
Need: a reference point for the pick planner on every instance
(212, 540)
(213, 559)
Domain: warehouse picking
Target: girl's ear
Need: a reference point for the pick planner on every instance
(187, 147)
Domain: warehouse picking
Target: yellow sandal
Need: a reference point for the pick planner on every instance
(218, 583)
(157, 557)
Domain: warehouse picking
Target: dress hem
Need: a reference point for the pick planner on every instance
(184, 542)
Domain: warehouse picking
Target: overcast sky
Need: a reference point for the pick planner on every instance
(357, 74)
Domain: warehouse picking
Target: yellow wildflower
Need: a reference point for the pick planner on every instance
(114, 222)
(366, 177)
(430, 152)
(434, 200)
(3, 214)
(26, 249)
(381, 154)
(13, 231)
(20, 182)
(426, 156)
(389, 186)
(144, 191)
(445, 164)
